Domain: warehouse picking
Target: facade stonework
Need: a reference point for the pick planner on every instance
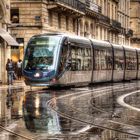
(4, 48)
(135, 22)
(99, 19)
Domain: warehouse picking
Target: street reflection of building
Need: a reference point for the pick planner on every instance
(37, 115)
(104, 20)
(6, 40)
(135, 22)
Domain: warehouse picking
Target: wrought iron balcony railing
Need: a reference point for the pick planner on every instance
(136, 36)
(104, 19)
(115, 24)
(116, 1)
(76, 4)
(129, 33)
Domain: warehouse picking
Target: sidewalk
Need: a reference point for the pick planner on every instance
(16, 83)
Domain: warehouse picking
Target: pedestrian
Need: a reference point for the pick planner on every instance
(19, 69)
(10, 71)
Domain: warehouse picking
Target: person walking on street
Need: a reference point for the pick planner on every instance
(10, 71)
(19, 69)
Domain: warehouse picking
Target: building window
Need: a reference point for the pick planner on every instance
(59, 21)
(101, 33)
(15, 15)
(20, 41)
(96, 30)
(74, 24)
(50, 18)
(91, 30)
(67, 23)
(108, 10)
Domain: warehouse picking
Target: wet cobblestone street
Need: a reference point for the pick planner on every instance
(106, 112)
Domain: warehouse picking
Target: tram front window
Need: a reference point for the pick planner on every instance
(40, 52)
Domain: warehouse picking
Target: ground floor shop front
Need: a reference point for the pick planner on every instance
(6, 41)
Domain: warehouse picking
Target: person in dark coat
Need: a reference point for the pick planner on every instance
(10, 71)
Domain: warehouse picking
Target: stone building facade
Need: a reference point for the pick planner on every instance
(99, 19)
(6, 40)
(135, 22)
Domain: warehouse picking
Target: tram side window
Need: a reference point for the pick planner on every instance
(131, 61)
(81, 58)
(103, 59)
(100, 61)
(118, 60)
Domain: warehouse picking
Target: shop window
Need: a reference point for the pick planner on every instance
(14, 47)
(17, 51)
(15, 15)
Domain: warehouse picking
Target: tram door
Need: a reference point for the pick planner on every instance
(63, 68)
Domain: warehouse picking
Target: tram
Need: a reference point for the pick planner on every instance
(63, 60)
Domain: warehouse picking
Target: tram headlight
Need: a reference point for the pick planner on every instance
(37, 74)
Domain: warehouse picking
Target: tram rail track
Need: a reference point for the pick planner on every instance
(76, 119)
(15, 134)
(90, 123)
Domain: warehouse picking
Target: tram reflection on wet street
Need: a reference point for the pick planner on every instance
(101, 112)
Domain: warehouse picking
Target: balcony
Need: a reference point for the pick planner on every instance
(93, 7)
(129, 33)
(135, 0)
(135, 38)
(104, 20)
(115, 26)
(117, 1)
(69, 7)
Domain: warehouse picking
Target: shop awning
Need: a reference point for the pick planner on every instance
(8, 38)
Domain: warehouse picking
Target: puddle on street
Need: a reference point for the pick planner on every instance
(91, 113)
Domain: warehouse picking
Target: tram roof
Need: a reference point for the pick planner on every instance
(102, 43)
(61, 34)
